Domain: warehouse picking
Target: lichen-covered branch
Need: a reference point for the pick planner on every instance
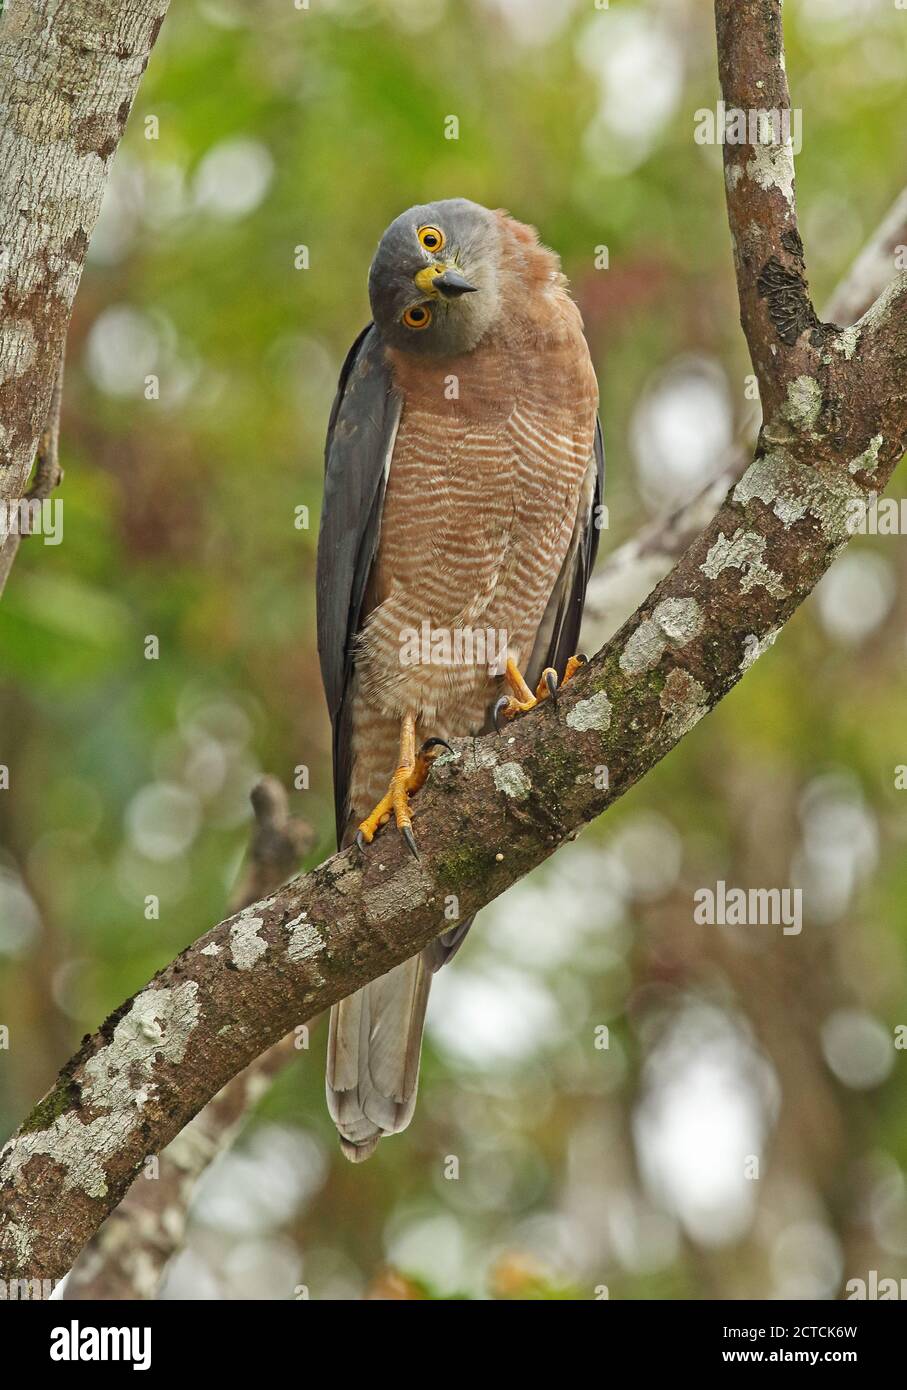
(497, 806)
(127, 1257)
(775, 307)
(69, 71)
(624, 577)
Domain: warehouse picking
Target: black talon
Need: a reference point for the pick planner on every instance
(410, 839)
(361, 842)
(501, 704)
(581, 658)
(434, 743)
(551, 682)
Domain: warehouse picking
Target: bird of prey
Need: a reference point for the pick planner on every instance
(464, 471)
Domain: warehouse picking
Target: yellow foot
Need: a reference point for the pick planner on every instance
(406, 781)
(522, 698)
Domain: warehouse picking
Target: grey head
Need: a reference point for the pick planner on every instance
(433, 284)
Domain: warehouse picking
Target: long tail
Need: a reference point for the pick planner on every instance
(373, 1057)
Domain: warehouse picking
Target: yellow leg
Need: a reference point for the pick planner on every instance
(522, 698)
(411, 773)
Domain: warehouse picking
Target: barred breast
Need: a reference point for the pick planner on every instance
(480, 508)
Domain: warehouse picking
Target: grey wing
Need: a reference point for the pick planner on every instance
(559, 629)
(360, 441)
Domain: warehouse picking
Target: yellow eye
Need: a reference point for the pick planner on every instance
(419, 316)
(430, 238)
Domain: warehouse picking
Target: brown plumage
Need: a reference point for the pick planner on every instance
(484, 523)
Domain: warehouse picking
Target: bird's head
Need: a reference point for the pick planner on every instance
(433, 284)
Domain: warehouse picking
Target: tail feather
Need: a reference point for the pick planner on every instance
(374, 1046)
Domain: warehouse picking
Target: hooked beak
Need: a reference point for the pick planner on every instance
(444, 280)
(452, 285)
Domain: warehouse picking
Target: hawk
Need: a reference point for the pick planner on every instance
(464, 472)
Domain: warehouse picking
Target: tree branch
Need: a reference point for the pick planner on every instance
(48, 475)
(68, 77)
(626, 575)
(834, 433)
(127, 1257)
(776, 311)
(872, 270)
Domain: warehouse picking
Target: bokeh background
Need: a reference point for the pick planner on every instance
(740, 1129)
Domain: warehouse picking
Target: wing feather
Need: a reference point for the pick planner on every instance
(559, 629)
(360, 441)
